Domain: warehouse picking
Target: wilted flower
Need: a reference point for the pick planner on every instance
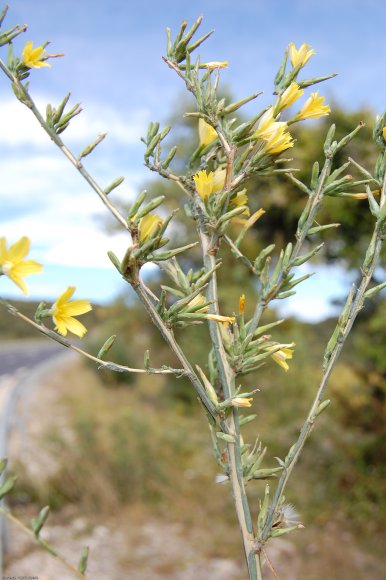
(281, 356)
(148, 226)
(13, 265)
(287, 517)
(219, 318)
(215, 64)
(63, 312)
(313, 108)
(198, 303)
(300, 56)
(242, 402)
(290, 95)
(242, 304)
(206, 133)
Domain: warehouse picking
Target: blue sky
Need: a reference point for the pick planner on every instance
(113, 66)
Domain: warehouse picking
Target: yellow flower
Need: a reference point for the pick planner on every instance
(313, 108)
(206, 133)
(281, 356)
(63, 312)
(241, 198)
(267, 125)
(278, 141)
(208, 183)
(215, 64)
(300, 56)
(384, 133)
(148, 226)
(242, 304)
(33, 57)
(290, 95)
(13, 265)
(242, 402)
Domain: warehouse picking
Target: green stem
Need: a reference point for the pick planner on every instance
(168, 336)
(292, 457)
(227, 379)
(51, 550)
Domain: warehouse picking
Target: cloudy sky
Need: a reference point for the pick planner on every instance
(113, 66)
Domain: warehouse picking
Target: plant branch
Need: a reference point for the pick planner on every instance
(102, 363)
(45, 545)
(28, 101)
(344, 326)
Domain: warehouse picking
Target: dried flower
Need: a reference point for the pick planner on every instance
(242, 304)
(242, 402)
(300, 56)
(63, 312)
(13, 265)
(281, 356)
(215, 64)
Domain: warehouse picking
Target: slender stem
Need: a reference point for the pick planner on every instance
(168, 336)
(50, 549)
(227, 378)
(102, 363)
(357, 304)
(305, 223)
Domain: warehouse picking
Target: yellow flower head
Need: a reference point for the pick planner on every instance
(241, 198)
(208, 183)
(242, 402)
(33, 57)
(63, 312)
(206, 133)
(300, 56)
(13, 265)
(267, 125)
(278, 141)
(313, 108)
(290, 95)
(281, 356)
(242, 304)
(149, 225)
(384, 133)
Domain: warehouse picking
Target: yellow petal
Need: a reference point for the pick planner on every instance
(19, 250)
(19, 282)
(77, 307)
(75, 327)
(27, 267)
(206, 133)
(64, 297)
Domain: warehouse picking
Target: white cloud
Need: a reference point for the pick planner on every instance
(19, 126)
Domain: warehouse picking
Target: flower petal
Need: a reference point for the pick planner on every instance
(75, 327)
(77, 307)
(18, 250)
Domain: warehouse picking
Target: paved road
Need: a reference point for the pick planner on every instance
(25, 354)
